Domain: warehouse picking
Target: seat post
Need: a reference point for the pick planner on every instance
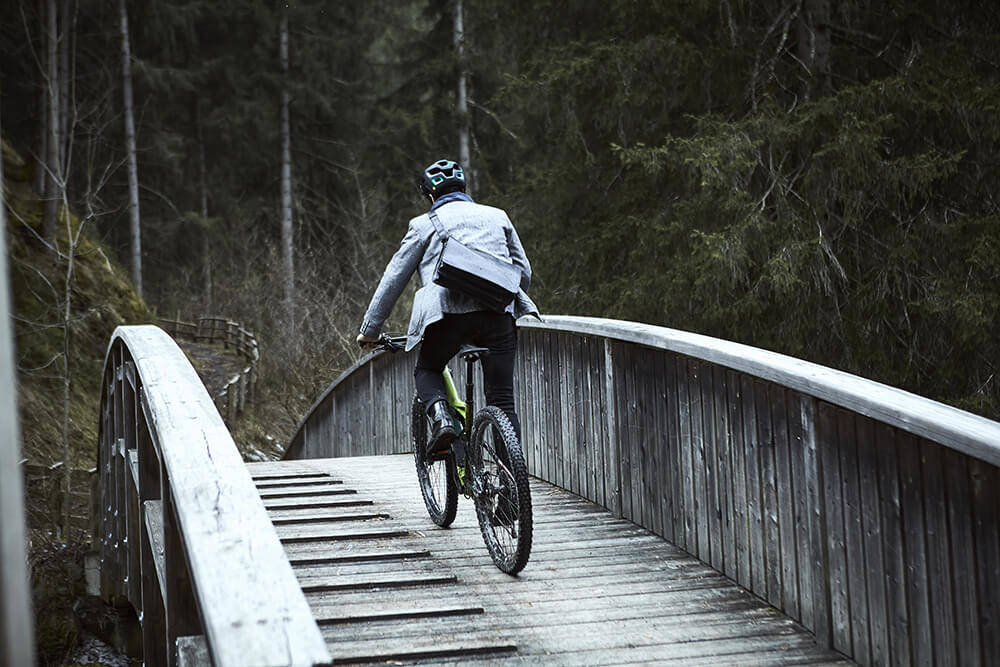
(470, 399)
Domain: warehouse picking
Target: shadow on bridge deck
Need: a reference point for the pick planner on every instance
(385, 584)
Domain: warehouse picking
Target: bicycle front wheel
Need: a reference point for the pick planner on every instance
(437, 476)
(500, 490)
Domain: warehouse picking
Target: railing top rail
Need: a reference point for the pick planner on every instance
(949, 426)
(250, 600)
(954, 428)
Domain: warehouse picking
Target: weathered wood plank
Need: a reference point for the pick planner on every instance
(914, 536)
(153, 517)
(819, 589)
(667, 459)
(688, 507)
(612, 459)
(871, 512)
(741, 502)
(724, 465)
(785, 488)
(568, 398)
(192, 651)
(958, 489)
(833, 497)
(938, 555)
(590, 382)
(986, 524)
(892, 527)
(769, 494)
(670, 459)
(553, 415)
(755, 510)
(701, 505)
(857, 581)
(712, 469)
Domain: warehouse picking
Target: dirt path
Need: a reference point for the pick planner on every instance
(215, 365)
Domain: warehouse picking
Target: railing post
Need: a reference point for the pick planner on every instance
(16, 633)
(154, 630)
(181, 608)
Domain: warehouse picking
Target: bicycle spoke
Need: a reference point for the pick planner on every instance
(503, 504)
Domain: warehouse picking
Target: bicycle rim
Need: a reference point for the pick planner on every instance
(437, 477)
(501, 491)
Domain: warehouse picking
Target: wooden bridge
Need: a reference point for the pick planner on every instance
(695, 500)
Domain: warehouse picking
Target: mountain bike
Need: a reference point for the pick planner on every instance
(494, 476)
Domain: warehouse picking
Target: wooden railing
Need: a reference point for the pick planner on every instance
(17, 645)
(182, 533)
(868, 514)
(241, 389)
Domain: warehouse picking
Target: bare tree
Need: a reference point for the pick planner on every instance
(462, 104)
(133, 169)
(286, 179)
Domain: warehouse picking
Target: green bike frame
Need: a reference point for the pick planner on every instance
(454, 400)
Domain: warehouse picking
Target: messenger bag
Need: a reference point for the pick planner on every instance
(480, 275)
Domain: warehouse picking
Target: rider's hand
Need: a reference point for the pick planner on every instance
(367, 343)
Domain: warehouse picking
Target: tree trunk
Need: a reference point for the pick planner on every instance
(286, 181)
(203, 209)
(53, 141)
(133, 169)
(814, 45)
(42, 140)
(64, 82)
(462, 106)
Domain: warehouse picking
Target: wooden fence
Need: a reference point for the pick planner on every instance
(241, 389)
(181, 531)
(868, 514)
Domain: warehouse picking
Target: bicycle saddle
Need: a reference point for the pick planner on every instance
(468, 352)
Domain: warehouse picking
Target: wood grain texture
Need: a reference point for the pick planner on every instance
(15, 604)
(968, 433)
(787, 477)
(224, 572)
(597, 588)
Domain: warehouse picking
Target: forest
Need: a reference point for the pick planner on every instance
(810, 177)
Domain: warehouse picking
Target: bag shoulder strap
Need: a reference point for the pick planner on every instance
(438, 227)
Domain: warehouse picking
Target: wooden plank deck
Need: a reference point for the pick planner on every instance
(385, 584)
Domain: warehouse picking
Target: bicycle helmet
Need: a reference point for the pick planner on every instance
(442, 177)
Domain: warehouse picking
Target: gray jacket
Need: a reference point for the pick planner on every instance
(480, 227)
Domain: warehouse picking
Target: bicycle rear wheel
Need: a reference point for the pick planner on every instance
(500, 490)
(436, 477)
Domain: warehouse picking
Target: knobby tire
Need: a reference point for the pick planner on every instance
(436, 478)
(501, 492)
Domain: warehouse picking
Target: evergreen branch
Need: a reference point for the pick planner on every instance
(492, 115)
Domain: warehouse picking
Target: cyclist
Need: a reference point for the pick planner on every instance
(444, 319)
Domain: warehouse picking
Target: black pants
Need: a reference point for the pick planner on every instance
(443, 340)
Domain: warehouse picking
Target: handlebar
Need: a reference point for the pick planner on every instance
(390, 343)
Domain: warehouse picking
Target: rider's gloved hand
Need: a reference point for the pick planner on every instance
(367, 343)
